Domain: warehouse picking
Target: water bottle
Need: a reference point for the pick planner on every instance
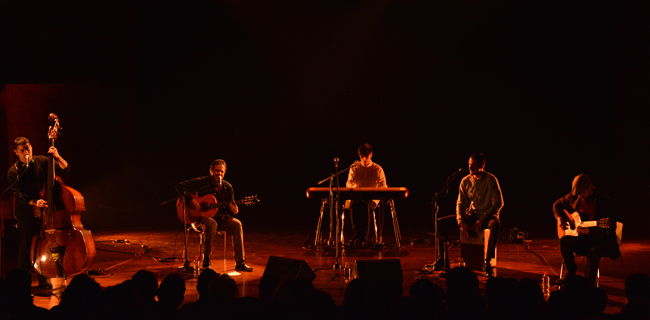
(546, 285)
(461, 263)
(196, 266)
(346, 272)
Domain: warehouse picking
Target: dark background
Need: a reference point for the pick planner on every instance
(149, 93)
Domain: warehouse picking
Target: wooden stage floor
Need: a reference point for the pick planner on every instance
(121, 254)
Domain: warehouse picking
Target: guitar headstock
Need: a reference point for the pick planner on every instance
(604, 223)
(250, 200)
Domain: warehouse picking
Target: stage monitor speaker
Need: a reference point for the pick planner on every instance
(385, 270)
(283, 267)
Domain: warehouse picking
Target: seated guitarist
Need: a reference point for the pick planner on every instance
(223, 191)
(593, 242)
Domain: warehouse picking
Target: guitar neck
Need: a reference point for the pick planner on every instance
(223, 205)
(588, 224)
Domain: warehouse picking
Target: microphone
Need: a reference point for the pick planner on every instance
(336, 161)
(220, 180)
(26, 161)
(453, 175)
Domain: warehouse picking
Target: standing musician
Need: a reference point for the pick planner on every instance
(479, 204)
(31, 172)
(224, 193)
(593, 242)
(364, 174)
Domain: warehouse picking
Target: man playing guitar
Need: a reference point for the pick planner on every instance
(594, 242)
(223, 192)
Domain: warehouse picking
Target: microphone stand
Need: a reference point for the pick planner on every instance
(18, 176)
(186, 264)
(334, 202)
(434, 209)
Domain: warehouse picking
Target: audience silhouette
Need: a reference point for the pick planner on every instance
(293, 298)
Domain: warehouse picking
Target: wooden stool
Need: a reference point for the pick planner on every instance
(473, 250)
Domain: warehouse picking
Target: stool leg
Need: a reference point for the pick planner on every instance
(224, 250)
(201, 243)
(374, 219)
(317, 240)
(342, 227)
(398, 236)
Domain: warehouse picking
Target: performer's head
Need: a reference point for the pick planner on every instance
(365, 154)
(476, 163)
(218, 169)
(582, 186)
(22, 147)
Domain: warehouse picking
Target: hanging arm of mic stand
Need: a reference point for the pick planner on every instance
(334, 175)
(185, 193)
(18, 176)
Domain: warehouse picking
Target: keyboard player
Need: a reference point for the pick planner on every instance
(364, 173)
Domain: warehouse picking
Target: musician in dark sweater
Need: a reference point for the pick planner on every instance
(223, 220)
(27, 178)
(594, 242)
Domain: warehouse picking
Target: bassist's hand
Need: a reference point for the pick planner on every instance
(40, 203)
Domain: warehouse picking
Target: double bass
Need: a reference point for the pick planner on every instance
(62, 247)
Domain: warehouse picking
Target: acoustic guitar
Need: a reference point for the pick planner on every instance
(209, 207)
(576, 224)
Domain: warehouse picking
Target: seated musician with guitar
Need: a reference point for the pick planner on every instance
(585, 227)
(216, 215)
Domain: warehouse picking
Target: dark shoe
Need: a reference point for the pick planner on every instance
(368, 244)
(488, 270)
(439, 265)
(243, 267)
(355, 243)
(563, 280)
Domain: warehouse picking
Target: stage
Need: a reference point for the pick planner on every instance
(121, 254)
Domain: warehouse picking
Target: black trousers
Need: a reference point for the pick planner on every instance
(27, 229)
(361, 216)
(583, 245)
(494, 224)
